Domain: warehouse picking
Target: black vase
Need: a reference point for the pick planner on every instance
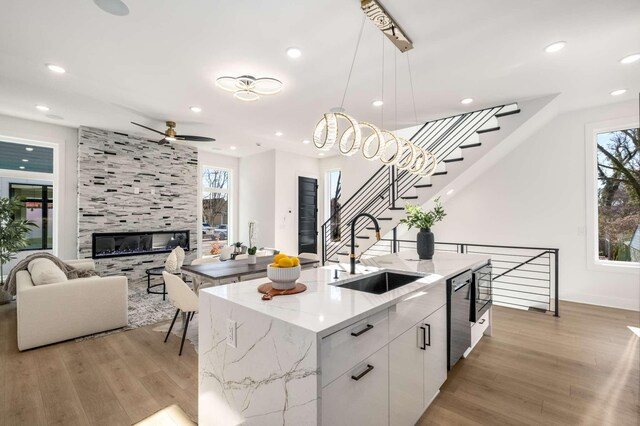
(426, 244)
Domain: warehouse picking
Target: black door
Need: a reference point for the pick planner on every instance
(307, 215)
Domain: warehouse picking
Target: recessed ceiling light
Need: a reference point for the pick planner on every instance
(21, 167)
(618, 92)
(306, 141)
(294, 52)
(321, 154)
(42, 108)
(24, 160)
(555, 47)
(279, 133)
(232, 148)
(56, 68)
(114, 7)
(29, 148)
(630, 59)
(466, 101)
(449, 192)
(195, 109)
(55, 117)
(377, 103)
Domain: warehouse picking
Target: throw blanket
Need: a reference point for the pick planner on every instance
(69, 271)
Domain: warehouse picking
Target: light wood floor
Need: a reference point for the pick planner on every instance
(579, 369)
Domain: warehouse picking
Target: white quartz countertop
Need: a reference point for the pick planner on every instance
(325, 308)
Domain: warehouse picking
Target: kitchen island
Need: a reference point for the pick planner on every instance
(330, 355)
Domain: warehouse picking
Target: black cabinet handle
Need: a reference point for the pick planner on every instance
(364, 330)
(429, 335)
(424, 338)
(481, 321)
(364, 373)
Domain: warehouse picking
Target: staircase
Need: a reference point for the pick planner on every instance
(458, 142)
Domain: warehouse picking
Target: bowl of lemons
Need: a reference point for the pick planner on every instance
(284, 271)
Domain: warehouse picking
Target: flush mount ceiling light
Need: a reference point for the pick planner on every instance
(377, 103)
(248, 88)
(466, 101)
(279, 133)
(195, 109)
(294, 52)
(555, 47)
(113, 7)
(386, 24)
(232, 148)
(42, 108)
(630, 59)
(56, 68)
(618, 92)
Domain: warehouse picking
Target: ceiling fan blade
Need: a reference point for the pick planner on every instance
(148, 128)
(194, 138)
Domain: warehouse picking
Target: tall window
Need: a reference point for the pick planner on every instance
(37, 207)
(618, 171)
(334, 181)
(216, 200)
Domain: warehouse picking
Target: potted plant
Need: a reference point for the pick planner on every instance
(251, 251)
(424, 220)
(12, 237)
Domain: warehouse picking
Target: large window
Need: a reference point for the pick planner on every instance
(216, 202)
(618, 189)
(37, 207)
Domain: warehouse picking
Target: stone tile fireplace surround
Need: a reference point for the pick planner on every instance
(129, 184)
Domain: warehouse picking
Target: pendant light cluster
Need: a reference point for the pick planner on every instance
(374, 144)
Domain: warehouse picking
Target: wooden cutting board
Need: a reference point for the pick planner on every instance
(269, 292)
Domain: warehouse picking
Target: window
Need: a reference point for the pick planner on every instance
(334, 185)
(37, 207)
(618, 195)
(216, 229)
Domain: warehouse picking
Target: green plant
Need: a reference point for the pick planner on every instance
(12, 231)
(252, 250)
(418, 218)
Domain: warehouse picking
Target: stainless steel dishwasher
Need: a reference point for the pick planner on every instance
(458, 312)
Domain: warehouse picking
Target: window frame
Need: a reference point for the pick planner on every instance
(44, 190)
(591, 197)
(207, 190)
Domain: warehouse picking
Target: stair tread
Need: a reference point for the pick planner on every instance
(491, 129)
(393, 208)
(453, 160)
(439, 173)
(332, 261)
(363, 237)
(410, 197)
(385, 218)
(504, 114)
(426, 185)
(471, 145)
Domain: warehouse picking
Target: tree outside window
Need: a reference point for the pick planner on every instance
(618, 171)
(215, 207)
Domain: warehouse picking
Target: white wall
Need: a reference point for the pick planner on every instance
(536, 196)
(65, 140)
(257, 187)
(209, 158)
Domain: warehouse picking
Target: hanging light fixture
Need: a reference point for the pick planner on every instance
(248, 88)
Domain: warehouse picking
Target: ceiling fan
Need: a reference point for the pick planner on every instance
(170, 135)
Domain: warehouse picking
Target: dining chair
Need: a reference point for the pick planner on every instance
(197, 280)
(312, 256)
(225, 252)
(262, 253)
(183, 299)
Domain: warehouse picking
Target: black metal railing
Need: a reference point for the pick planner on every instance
(388, 184)
(523, 277)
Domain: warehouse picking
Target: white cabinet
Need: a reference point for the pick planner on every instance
(406, 376)
(417, 368)
(435, 354)
(361, 395)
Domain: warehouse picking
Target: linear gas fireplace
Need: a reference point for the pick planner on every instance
(116, 244)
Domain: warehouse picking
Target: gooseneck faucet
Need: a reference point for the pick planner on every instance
(353, 237)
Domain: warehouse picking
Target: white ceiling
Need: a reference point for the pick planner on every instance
(152, 65)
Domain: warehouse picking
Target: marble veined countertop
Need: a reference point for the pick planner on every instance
(325, 307)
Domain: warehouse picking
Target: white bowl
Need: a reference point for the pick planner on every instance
(283, 278)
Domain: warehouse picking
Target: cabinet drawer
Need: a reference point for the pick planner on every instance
(347, 401)
(343, 349)
(415, 307)
(478, 328)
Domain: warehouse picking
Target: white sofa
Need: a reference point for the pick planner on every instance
(55, 312)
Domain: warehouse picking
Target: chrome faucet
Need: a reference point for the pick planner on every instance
(353, 237)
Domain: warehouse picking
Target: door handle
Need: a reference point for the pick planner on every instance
(424, 339)
(428, 334)
(364, 373)
(361, 332)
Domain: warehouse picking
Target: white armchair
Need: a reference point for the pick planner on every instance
(51, 313)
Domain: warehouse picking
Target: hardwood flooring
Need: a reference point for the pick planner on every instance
(579, 369)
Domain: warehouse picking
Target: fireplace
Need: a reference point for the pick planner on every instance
(117, 244)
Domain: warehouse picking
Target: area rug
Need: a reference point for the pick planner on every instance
(144, 309)
(192, 331)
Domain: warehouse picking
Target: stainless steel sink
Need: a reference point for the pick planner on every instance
(380, 282)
